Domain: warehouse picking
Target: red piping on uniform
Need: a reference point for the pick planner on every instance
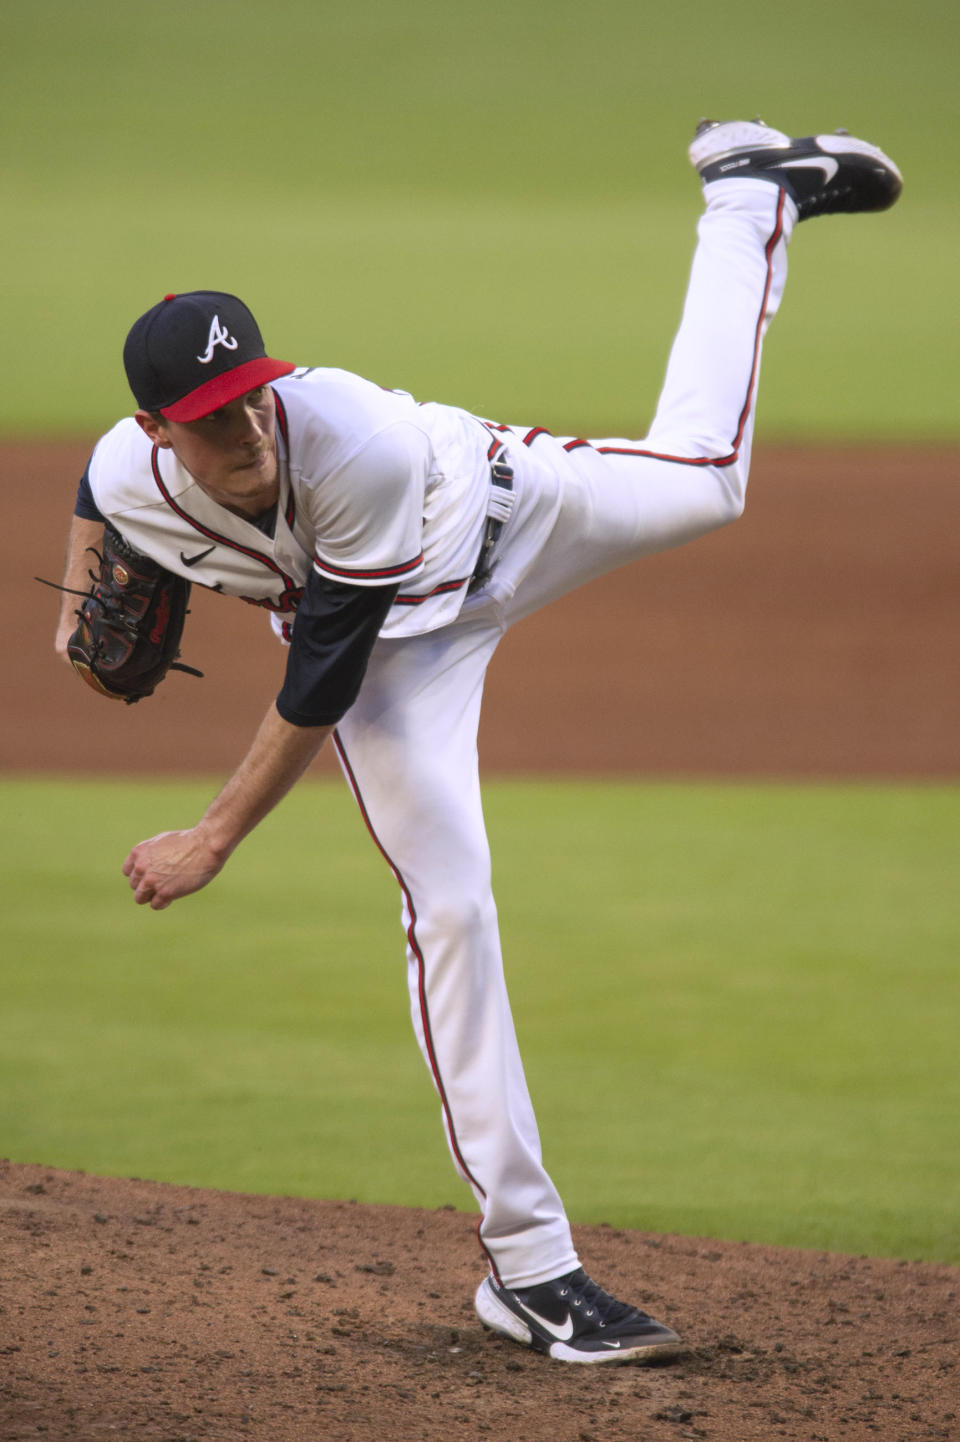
(281, 417)
(290, 515)
(414, 945)
(718, 461)
(727, 460)
(385, 573)
(443, 589)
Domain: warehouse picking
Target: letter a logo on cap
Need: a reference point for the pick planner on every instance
(218, 336)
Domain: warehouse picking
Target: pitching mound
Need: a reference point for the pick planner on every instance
(169, 1314)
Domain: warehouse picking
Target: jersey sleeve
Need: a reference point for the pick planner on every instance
(368, 515)
(85, 506)
(333, 635)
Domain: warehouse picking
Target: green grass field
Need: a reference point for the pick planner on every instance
(489, 206)
(737, 1005)
(485, 205)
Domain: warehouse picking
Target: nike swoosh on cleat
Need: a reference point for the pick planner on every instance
(826, 163)
(562, 1334)
(192, 560)
(615, 1345)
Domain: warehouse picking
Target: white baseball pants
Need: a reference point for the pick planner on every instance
(409, 744)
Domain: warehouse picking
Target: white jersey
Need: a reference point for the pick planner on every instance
(375, 489)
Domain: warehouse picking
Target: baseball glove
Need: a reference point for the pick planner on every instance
(128, 636)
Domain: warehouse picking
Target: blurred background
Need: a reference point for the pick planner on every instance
(485, 204)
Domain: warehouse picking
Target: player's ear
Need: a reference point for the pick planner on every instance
(154, 428)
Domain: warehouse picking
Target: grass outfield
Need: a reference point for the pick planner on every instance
(737, 1005)
(485, 205)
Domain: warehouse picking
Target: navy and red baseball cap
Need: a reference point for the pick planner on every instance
(190, 354)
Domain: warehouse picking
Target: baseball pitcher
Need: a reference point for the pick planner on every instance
(392, 544)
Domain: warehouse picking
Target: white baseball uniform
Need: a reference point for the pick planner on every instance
(378, 491)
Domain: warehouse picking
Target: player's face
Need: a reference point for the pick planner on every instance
(231, 453)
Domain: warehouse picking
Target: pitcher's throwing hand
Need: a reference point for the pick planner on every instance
(170, 865)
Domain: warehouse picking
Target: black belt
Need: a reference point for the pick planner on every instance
(501, 478)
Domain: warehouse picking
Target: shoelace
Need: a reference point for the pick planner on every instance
(585, 1294)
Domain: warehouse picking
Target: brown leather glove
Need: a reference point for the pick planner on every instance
(128, 636)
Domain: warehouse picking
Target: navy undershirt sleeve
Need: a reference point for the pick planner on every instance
(333, 635)
(86, 506)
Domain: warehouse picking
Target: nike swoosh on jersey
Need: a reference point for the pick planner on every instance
(192, 560)
(826, 163)
(562, 1334)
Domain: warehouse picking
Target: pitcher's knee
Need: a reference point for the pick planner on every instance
(718, 503)
(727, 492)
(458, 914)
(732, 504)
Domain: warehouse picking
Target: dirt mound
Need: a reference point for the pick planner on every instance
(171, 1314)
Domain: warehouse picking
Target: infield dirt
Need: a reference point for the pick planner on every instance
(816, 638)
(135, 1310)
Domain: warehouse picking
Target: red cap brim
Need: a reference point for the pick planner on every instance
(224, 388)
